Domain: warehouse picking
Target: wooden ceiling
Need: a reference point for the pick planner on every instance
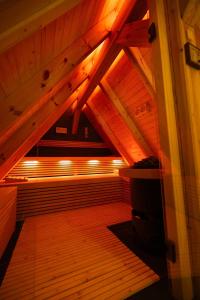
(90, 55)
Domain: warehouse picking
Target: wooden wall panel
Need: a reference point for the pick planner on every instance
(130, 89)
(38, 198)
(33, 167)
(7, 215)
(116, 123)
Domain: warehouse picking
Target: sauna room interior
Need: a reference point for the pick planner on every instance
(99, 149)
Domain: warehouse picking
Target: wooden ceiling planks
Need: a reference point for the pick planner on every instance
(111, 117)
(48, 77)
(136, 100)
(19, 142)
(116, 101)
(21, 18)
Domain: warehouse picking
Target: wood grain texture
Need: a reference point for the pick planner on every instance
(137, 135)
(114, 121)
(7, 215)
(74, 256)
(140, 106)
(135, 34)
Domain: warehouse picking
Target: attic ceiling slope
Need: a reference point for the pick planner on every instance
(21, 18)
(51, 102)
(109, 52)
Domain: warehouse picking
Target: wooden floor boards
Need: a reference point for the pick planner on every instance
(72, 255)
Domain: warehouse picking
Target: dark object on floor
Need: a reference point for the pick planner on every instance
(5, 259)
(157, 262)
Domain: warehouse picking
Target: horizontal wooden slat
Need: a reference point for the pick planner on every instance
(70, 144)
(36, 198)
(34, 167)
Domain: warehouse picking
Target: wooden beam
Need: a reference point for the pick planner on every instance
(15, 106)
(30, 132)
(108, 54)
(135, 34)
(111, 95)
(19, 19)
(144, 68)
(176, 217)
(70, 144)
(144, 73)
(76, 121)
(112, 136)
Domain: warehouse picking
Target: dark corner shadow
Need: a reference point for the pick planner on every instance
(6, 257)
(156, 260)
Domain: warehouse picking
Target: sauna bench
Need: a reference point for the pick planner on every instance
(7, 215)
(48, 195)
(141, 173)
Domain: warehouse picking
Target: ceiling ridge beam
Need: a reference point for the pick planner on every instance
(137, 135)
(20, 19)
(139, 64)
(16, 105)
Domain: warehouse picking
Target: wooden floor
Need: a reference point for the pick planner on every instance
(72, 255)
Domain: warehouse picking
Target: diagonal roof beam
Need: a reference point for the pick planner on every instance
(15, 106)
(21, 18)
(29, 133)
(136, 59)
(109, 52)
(109, 132)
(137, 135)
(135, 34)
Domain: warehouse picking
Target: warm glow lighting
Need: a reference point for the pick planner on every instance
(117, 162)
(65, 162)
(93, 162)
(31, 162)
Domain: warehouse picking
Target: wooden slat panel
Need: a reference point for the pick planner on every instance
(35, 198)
(74, 256)
(70, 144)
(7, 215)
(34, 167)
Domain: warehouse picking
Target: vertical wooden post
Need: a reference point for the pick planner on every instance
(171, 155)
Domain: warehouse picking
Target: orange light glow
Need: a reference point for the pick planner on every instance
(117, 161)
(31, 163)
(65, 162)
(93, 162)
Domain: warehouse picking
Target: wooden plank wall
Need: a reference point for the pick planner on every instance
(99, 103)
(7, 215)
(130, 89)
(34, 167)
(37, 198)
